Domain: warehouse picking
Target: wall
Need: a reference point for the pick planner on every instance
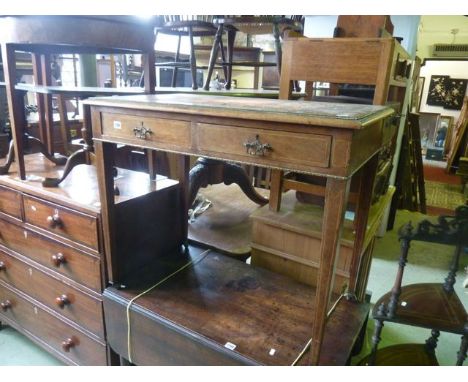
(454, 69)
(437, 29)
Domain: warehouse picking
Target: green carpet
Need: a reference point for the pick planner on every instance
(427, 263)
(443, 195)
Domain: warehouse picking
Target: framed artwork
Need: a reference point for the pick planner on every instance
(446, 122)
(455, 92)
(428, 124)
(437, 90)
(417, 93)
(446, 92)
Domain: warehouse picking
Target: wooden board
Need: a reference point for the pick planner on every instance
(221, 311)
(349, 116)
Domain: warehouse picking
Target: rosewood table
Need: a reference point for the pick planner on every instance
(330, 140)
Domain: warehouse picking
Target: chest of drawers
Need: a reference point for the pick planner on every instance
(52, 263)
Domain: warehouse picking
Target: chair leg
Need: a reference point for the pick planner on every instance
(223, 58)
(379, 324)
(461, 355)
(214, 56)
(230, 50)
(176, 69)
(278, 51)
(431, 342)
(193, 61)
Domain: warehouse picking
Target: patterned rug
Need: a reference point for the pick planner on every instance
(444, 195)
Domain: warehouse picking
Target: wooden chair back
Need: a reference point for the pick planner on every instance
(363, 26)
(362, 61)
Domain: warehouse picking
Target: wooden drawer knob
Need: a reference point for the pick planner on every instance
(54, 221)
(5, 305)
(2, 266)
(62, 300)
(58, 259)
(68, 344)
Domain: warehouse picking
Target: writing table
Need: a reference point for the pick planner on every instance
(325, 139)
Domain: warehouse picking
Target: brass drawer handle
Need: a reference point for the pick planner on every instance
(256, 147)
(142, 132)
(54, 221)
(62, 300)
(2, 266)
(68, 344)
(58, 259)
(5, 305)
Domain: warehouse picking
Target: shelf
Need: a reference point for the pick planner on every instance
(403, 355)
(427, 305)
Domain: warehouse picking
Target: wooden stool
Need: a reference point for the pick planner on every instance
(177, 26)
(275, 25)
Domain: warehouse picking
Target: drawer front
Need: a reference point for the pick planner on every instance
(286, 147)
(77, 265)
(167, 132)
(62, 221)
(50, 330)
(10, 202)
(84, 309)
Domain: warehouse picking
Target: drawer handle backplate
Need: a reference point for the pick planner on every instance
(256, 147)
(141, 132)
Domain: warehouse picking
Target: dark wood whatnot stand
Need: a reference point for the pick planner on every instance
(346, 138)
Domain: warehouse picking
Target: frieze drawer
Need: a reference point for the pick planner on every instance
(53, 333)
(76, 305)
(62, 221)
(10, 202)
(166, 132)
(271, 146)
(64, 259)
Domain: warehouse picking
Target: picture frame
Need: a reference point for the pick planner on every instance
(446, 92)
(437, 90)
(428, 124)
(456, 89)
(417, 94)
(447, 120)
